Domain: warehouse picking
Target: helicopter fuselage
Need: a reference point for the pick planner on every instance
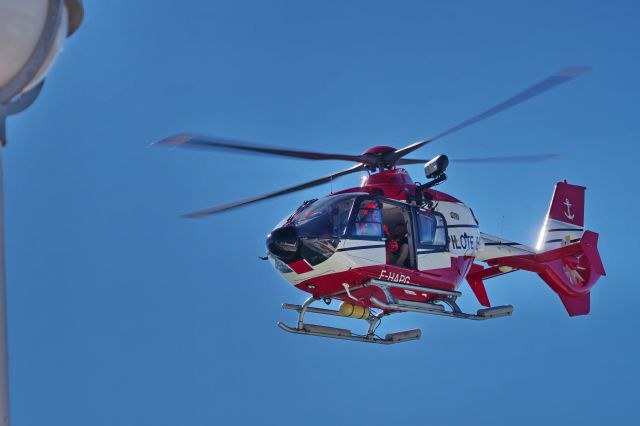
(347, 240)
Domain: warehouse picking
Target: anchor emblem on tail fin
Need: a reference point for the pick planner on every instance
(568, 213)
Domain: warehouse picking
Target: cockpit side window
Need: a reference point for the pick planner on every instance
(432, 230)
(368, 220)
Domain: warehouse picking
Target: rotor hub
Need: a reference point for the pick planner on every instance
(380, 157)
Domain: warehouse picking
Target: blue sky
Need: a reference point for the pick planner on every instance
(120, 313)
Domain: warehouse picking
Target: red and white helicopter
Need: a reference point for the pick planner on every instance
(393, 245)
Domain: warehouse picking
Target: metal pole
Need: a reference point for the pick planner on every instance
(22, 102)
(13, 100)
(4, 355)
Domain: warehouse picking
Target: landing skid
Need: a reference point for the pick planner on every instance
(391, 305)
(343, 333)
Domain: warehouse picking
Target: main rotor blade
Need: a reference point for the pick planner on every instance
(233, 205)
(512, 159)
(548, 83)
(188, 140)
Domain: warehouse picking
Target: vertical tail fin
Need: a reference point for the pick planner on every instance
(564, 223)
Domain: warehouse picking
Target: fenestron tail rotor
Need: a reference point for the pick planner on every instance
(372, 159)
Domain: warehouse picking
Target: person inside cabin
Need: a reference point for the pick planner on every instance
(398, 246)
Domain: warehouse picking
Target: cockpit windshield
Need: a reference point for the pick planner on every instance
(324, 218)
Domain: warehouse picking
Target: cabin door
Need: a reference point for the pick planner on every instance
(399, 239)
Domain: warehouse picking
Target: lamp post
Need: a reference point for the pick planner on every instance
(32, 33)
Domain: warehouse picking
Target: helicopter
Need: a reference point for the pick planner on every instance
(392, 245)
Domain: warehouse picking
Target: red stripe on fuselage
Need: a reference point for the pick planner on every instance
(300, 266)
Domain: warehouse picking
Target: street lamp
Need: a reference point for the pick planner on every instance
(32, 33)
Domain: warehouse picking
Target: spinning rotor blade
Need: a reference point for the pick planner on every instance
(316, 182)
(550, 82)
(188, 140)
(512, 159)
